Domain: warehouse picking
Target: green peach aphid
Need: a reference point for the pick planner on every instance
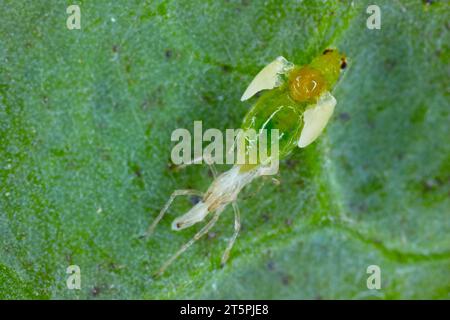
(296, 101)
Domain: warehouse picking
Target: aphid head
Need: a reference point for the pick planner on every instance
(330, 63)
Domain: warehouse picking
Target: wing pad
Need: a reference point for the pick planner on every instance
(268, 78)
(316, 118)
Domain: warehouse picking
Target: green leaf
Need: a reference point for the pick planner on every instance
(85, 123)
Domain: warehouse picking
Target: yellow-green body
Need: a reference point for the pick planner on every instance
(283, 107)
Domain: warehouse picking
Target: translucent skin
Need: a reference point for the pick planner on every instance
(277, 110)
(282, 108)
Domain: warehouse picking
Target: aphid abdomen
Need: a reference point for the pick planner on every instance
(196, 214)
(276, 110)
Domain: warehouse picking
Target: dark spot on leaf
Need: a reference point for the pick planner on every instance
(389, 64)
(208, 98)
(344, 116)
(226, 68)
(286, 279)
(270, 265)
(112, 266)
(115, 48)
(358, 207)
(299, 182)
(265, 217)
(168, 53)
(95, 291)
(136, 169)
(327, 51)
(291, 163)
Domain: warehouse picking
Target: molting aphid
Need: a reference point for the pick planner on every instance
(298, 103)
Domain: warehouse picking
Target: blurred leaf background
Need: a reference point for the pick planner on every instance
(85, 123)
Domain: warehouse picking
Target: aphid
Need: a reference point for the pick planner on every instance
(298, 103)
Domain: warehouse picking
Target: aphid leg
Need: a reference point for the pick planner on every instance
(253, 193)
(176, 193)
(184, 247)
(199, 160)
(237, 227)
(276, 181)
(187, 163)
(211, 166)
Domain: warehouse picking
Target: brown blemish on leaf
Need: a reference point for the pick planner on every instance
(286, 279)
